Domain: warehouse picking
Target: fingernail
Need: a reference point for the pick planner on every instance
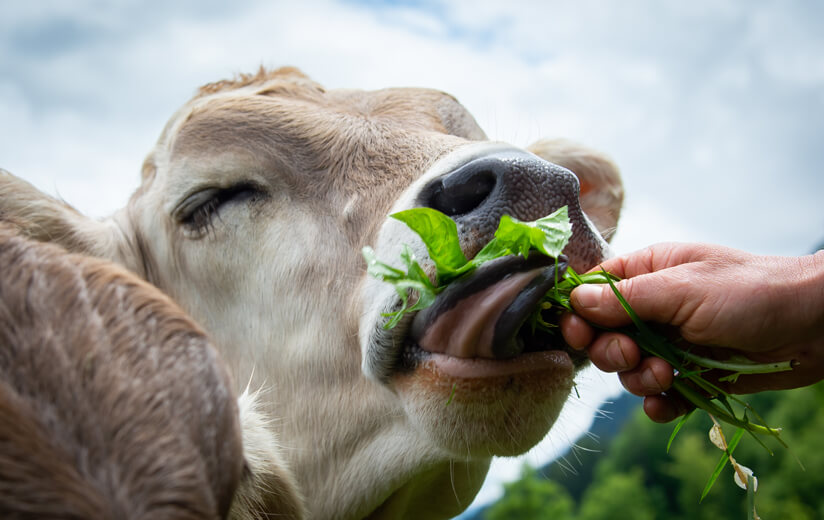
(587, 296)
(649, 381)
(615, 355)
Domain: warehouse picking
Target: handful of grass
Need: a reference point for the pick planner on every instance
(548, 236)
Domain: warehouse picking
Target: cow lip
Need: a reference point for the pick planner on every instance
(486, 370)
(480, 317)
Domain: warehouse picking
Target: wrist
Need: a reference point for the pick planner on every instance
(809, 286)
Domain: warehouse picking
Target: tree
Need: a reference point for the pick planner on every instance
(532, 497)
(635, 475)
(616, 495)
(690, 463)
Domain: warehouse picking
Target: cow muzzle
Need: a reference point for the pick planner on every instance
(481, 317)
(474, 327)
(478, 193)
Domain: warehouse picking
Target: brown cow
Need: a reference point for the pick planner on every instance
(254, 206)
(113, 403)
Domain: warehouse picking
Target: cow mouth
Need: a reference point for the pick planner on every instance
(477, 326)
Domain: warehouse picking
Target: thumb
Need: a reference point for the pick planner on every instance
(653, 297)
(597, 303)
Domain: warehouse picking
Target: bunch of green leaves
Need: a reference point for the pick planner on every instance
(549, 236)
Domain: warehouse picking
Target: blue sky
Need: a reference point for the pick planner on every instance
(714, 110)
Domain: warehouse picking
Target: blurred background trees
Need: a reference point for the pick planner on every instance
(631, 472)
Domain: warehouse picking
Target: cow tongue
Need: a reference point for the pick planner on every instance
(481, 317)
(468, 329)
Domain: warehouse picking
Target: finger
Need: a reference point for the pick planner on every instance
(652, 289)
(659, 297)
(576, 331)
(652, 376)
(664, 408)
(598, 303)
(653, 258)
(613, 352)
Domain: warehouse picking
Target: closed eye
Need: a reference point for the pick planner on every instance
(197, 211)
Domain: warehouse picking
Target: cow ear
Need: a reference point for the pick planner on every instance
(47, 219)
(602, 192)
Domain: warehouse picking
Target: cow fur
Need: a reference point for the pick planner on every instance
(253, 208)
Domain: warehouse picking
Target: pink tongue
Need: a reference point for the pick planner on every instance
(467, 329)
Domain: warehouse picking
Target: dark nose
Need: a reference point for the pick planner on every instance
(517, 184)
(465, 189)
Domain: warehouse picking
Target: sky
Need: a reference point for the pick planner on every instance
(713, 110)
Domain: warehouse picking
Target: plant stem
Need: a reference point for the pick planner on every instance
(706, 404)
(740, 367)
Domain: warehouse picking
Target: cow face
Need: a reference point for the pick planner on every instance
(254, 207)
(504, 392)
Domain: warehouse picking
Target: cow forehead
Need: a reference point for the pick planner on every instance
(349, 139)
(334, 121)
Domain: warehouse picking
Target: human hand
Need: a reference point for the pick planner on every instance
(768, 309)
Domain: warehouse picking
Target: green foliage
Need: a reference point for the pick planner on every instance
(439, 234)
(617, 492)
(634, 472)
(690, 461)
(549, 235)
(533, 497)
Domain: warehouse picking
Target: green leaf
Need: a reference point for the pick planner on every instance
(735, 440)
(440, 235)
(494, 249)
(718, 468)
(414, 279)
(725, 457)
(678, 428)
(549, 234)
(378, 269)
(751, 498)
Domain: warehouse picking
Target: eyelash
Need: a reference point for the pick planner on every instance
(201, 219)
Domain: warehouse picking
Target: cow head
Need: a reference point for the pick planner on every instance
(252, 212)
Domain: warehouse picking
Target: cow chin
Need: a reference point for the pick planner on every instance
(491, 415)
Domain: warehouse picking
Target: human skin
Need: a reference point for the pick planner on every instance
(722, 300)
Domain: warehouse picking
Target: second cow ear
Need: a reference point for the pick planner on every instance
(47, 219)
(602, 192)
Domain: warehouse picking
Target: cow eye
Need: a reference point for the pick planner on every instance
(197, 212)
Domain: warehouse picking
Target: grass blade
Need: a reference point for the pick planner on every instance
(678, 428)
(751, 498)
(722, 462)
(718, 469)
(735, 439)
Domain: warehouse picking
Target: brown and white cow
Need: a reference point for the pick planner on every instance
(254, 206)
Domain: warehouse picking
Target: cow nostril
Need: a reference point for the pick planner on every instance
(461, 192)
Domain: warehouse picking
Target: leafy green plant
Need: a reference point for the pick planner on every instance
(549, 236)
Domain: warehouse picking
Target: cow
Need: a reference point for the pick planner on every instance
(253, 209)
(113, 402)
